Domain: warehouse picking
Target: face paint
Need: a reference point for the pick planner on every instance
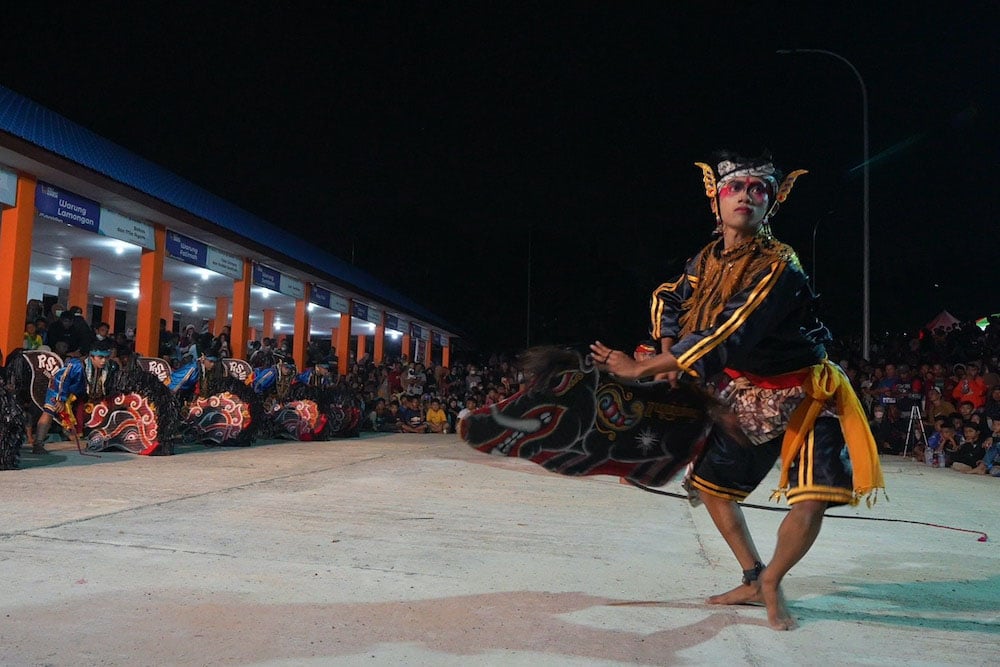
(756, 190)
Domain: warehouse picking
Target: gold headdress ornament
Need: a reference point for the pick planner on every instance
(728, 170)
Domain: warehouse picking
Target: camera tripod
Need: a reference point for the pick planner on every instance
(915, 430)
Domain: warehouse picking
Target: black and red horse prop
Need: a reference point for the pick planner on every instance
(318, 413)
(575, 420)
(140, 415)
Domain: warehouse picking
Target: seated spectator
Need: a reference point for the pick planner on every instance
(992, 408)
(971, 452)
(936, 405)
(888, 428)
(437, 418)
(392, 422)
(990, 465)
(971, 387)
(42, 329)
(934, 451)
(378, 418)
(470, 407)
(411, 417)
(32, 340)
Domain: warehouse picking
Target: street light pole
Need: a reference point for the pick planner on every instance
(866, 271)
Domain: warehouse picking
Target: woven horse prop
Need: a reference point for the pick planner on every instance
(575, 420)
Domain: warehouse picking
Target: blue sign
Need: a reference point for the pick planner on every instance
(319, 296)
(66, 207)
(187, 249)
(359, 310)
(439, 340)
(416, 331)
(392, 322)
(266, 277)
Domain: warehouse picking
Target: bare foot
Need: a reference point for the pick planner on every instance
(778, 616)
(742, 594)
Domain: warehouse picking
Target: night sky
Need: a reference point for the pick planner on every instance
(435, 146)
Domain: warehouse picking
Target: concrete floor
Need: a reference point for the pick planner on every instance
(416, 550)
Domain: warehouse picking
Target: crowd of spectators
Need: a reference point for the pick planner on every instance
(934, 396)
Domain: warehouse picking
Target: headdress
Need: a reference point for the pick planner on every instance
(732, 167)
(212, 352)
(101, 348)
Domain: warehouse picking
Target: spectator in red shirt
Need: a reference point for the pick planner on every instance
(971, 388)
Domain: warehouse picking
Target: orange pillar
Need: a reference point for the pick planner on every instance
(16, 226)
(300, 343)
(167, 310)
(362, 347)
(268, 323)
(405, 350)
(221, 316)
(446, 353)
(253, 333)
(79, 284)
(344, 341)
(379, 352)
(428, 349)
(108, 311)
(147, 327)
(241, 334)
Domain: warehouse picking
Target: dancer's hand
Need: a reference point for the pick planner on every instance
(615, 361)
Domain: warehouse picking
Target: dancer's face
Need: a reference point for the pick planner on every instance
(743, 203)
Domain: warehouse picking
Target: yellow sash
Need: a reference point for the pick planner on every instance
(823, 382)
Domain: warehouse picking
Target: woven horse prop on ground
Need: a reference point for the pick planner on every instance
(319, 413)
(231, 414)
(575, 420)
(140, 415)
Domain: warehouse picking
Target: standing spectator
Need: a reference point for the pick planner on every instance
(168, 341)
(222, 342)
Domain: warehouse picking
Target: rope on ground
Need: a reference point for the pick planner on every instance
(982, 536)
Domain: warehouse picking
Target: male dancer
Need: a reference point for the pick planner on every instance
(743, 307)
(79, 380)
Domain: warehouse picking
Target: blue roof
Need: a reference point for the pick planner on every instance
(45, 128)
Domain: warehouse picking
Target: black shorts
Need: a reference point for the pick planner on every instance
(731, 470)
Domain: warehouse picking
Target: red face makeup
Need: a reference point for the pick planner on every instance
(756, 189)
